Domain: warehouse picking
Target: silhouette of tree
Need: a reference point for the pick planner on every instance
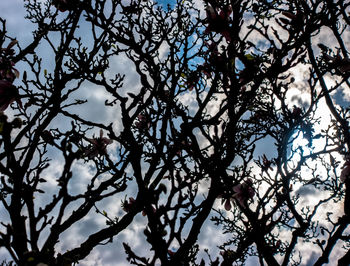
(222, 125)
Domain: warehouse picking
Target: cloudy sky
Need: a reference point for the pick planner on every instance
(113, 254)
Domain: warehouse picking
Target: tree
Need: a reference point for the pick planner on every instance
(220, 127)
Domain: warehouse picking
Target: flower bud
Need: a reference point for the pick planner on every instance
(17, 122)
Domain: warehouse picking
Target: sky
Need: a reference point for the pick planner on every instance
(167, 2)
(113, 254)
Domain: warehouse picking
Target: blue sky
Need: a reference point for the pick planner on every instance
(166, 2)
